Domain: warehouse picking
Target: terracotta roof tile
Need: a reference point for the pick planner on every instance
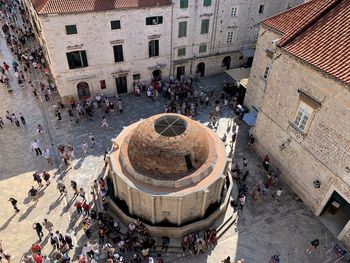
(296, 17)
(318, 33)
(76, 6)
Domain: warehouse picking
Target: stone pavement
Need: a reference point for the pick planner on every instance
(265, 227)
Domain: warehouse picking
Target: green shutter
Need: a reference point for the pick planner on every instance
(118, 53)
(70, 61)
(83, 58)
(202, 48)
(206, 2)
(183, 29)
(183, 3)
(205, 26)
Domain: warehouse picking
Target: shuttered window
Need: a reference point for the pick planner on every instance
(77, 59)
(183, 3)
(183, 29)
(71, 30)
(206, 2)
(115, 24)
(118, 53)
(205, 26)
(153, 47)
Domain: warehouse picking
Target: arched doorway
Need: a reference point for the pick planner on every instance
(83, 90)
(200, 69)
(226, 62)
(157, 75)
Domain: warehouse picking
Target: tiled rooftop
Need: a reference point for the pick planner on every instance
(318, 33)
(77, 6)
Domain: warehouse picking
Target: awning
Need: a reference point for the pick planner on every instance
(250, 118)
(248, 53)
(241, 75)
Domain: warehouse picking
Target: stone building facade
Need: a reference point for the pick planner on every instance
(112, 46)
(303, 102)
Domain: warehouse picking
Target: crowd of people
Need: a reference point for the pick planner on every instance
(103, 232)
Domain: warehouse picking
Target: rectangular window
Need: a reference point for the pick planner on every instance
(154, 20)
(103, 84)
(77, 59)
(202, 48)
(183, 3)
(206, 2)
(183, 29)
(267, 72)
(229, 37)
(153, 47)
(261, 9)
(181, 52)
(71, 29)
(303, 116)
(115, 24)
(136, 77)
(118, 53)
(234, 11)
(205, 26)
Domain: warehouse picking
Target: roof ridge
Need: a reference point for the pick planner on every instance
(286, 39)
(283, 12)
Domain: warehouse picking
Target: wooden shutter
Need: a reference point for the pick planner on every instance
(70, 61)
(83, 58)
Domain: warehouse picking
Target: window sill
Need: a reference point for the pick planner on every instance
(296, 131)
(77, 68)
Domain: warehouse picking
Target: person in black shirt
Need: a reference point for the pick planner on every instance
(14, 204)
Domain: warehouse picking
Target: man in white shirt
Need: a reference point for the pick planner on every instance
(36, 147)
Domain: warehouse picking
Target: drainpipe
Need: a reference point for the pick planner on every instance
(171, 70)
(215, 21)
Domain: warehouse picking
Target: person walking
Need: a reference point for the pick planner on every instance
(69, 240)
(47, 156)
(61, 187)
(313, 246)
(92, 139)
(14, 204)
(46, 177)
(15, 119)
(104, 122)
(82, 193)
(33, 193)
(86, 208)
(84, 147)
(78, 206)
(39, 230)
(241, 201)
(48, 225)
(23, 120)
(37, 178)
(36, 147)
(74, 186)
(54, 241)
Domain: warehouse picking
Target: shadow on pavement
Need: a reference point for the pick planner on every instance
(26, 213)
(6, 224)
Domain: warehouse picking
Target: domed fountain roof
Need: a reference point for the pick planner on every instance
(168, 147)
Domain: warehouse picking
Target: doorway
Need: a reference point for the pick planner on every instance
(180, 71)
(200, 69)
(336, 213)
(83, 90)
(157, 75)
(226, 62)
(249, 62)
(122, 86)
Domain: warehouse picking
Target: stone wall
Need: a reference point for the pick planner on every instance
(263, 57)
(323, 152)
